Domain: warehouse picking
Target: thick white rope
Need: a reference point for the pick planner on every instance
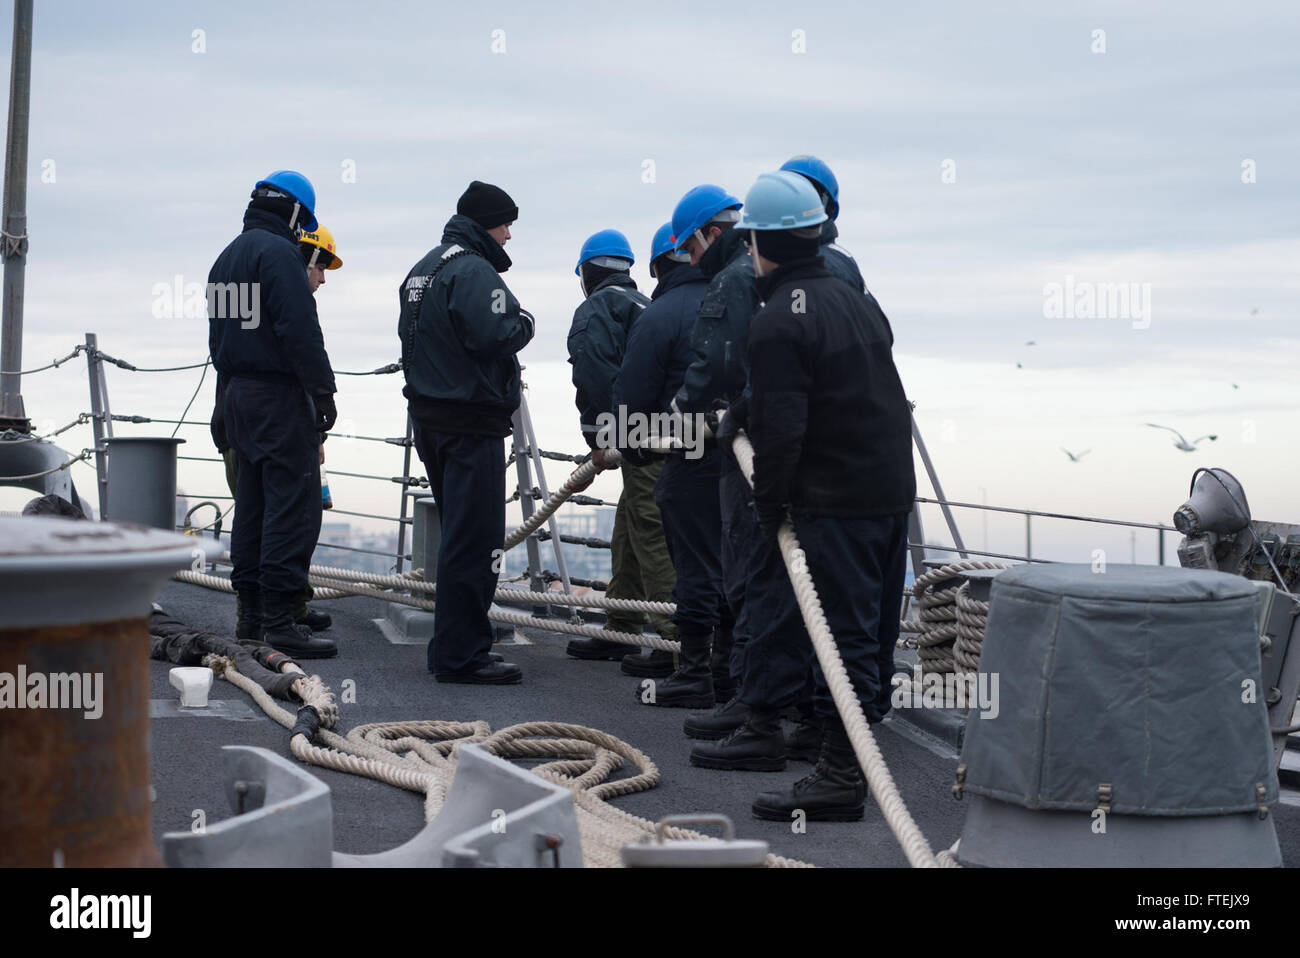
(937, 632)
(891, 803)
(421, 757)
(338, 588)
(577, 481)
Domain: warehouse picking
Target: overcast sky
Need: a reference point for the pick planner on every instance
(982, 155)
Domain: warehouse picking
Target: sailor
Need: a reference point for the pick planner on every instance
(803, 742)
(839, 261)
(319, 254)
(640, 565)
(658, 354)
(703, 222)
(830, 427)
(277, 400)
(461, 329)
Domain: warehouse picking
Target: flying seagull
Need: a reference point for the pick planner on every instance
(1182, 443)
(1031, 343)
(1073, 456)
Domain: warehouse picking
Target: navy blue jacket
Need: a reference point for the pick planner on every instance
(830, 424)
(598, 342)
(659, 349)
(721, 334)
(839, 261)
(460, 335)
(262, 319)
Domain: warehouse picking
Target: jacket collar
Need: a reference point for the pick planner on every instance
(618, 279)
(678, 276)
(255, 219)
(796, 269)
(468, 233)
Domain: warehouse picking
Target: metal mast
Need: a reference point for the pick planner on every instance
(14, 251)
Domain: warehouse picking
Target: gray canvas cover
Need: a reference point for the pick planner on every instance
(1134, 677)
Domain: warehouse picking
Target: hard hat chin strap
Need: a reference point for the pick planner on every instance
(293, 219)
(315, 255)
(753, 252)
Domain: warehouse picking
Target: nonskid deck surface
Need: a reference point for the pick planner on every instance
(391, 684)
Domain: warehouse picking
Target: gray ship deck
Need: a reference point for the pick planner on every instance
(392, 684)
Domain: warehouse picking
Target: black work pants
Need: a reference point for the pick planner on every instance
(740, 544)
(687, 496)
(858, 567)
(271, 427)
(467, 475)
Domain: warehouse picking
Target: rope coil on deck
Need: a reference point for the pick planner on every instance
(941, 627)
(420, 756)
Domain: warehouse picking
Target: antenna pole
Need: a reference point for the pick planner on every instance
(14, 249)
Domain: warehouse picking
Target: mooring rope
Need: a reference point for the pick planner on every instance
(420, 756)
(886, 793)
(334, 588)
(946, 638)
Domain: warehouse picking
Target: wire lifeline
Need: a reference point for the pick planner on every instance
(85, 454)
(40, 369)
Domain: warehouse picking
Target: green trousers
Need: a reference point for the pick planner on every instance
(642, 568)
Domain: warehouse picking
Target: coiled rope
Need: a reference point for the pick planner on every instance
(948, 630)
(420, 756)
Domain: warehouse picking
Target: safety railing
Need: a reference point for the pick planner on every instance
(101, 419)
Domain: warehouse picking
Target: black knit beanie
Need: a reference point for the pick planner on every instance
(488, 205)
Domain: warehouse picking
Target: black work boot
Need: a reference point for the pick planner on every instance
(281, 633)
(716, 724)
(657, 665)
(834, 792)
(691, 686)
(598, 649)
(248, 610)
(316, 621)
(724, 686)
(756, 745)
(803, 742)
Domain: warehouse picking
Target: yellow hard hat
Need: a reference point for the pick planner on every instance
(321, 239)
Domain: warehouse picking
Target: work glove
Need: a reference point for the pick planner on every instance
(326, 412)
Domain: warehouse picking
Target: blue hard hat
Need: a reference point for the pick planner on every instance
(782, 201)
(697, 207)
(662, 245)
(662, 242)
(297, 186)
(604, 243)
(821, 174)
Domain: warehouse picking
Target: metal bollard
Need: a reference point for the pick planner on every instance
(74, 679)
(142, 480)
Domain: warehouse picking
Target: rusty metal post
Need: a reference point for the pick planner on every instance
(74, 682)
